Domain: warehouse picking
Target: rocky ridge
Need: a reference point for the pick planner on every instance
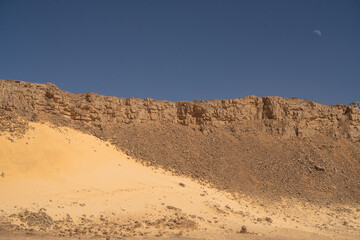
(285, 117)
(265, 146)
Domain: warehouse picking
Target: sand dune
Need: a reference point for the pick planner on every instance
(60, 183)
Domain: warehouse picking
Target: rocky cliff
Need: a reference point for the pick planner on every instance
(266, 146)
(285, 117)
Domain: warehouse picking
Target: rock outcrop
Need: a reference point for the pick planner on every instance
(285, 117)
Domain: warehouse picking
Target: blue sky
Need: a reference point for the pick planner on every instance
(186, 49)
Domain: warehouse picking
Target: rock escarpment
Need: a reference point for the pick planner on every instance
(255, 145)
(285, 117)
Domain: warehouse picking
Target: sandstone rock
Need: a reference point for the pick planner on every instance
(243, 229)
(355, 104)
(269, 220)
(319, 168)
(285, 117)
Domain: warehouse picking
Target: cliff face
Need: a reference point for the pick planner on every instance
(285, 117)
(255, 145)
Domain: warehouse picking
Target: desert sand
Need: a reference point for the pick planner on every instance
(59, 183)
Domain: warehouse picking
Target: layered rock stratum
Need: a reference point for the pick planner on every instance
(262, 146)
(279, 116)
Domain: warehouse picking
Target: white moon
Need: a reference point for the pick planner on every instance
(317, 32)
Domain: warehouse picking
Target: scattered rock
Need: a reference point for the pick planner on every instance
(269, 220)
(173, 208)
(319, 168)
(243, 229)
(39, 219)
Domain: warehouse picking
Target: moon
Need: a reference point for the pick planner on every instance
(317, 32)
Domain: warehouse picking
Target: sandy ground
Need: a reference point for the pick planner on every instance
(61, 184)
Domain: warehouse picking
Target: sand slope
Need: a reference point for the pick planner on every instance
(60, 183)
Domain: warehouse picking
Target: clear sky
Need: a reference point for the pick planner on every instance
(186, 49)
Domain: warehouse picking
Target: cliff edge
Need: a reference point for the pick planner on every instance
(290, 117)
